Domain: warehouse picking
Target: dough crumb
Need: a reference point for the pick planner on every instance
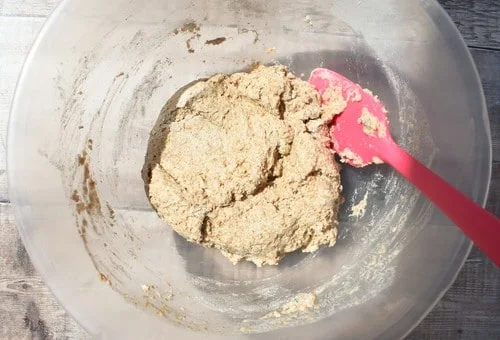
(359, 209)
(308, 21)
(347, 155)
(245, 329)
(371, 124)
(354, 95)
(333, 100)
(300, 304)
(271, 50)
(243, 163)
(105, 279)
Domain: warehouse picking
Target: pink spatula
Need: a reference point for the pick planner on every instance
(361, 136)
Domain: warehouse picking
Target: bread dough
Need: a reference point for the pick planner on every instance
(242, 163)
(371, 124)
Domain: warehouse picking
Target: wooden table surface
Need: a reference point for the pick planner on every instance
(470, 309)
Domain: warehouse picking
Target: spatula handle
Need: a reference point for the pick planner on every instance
(479, 225)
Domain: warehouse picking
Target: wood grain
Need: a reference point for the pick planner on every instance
(477, 20)
(28, 310)
(488, 66)
(16, 37)
(27, 8)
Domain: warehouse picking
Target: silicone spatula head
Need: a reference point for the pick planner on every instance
(360, 135)
(362, 128)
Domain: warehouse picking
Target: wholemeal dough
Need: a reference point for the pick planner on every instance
(242, 163)
(371, 124)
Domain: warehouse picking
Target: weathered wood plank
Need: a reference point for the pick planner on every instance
(16, 38)
(493, 203)
(27, 8)
(488, 66)
(477, 20)
(28, 310)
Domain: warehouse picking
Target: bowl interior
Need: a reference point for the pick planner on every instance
(91, 91)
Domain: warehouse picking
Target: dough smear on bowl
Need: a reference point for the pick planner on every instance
(243, 163)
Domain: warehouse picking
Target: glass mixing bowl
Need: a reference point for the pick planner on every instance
(90, 92)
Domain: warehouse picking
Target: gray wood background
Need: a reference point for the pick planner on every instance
(470, 309)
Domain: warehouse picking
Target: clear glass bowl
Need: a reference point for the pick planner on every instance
(90, 92)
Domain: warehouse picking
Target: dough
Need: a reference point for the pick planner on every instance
(242, 163)
(371, 124)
